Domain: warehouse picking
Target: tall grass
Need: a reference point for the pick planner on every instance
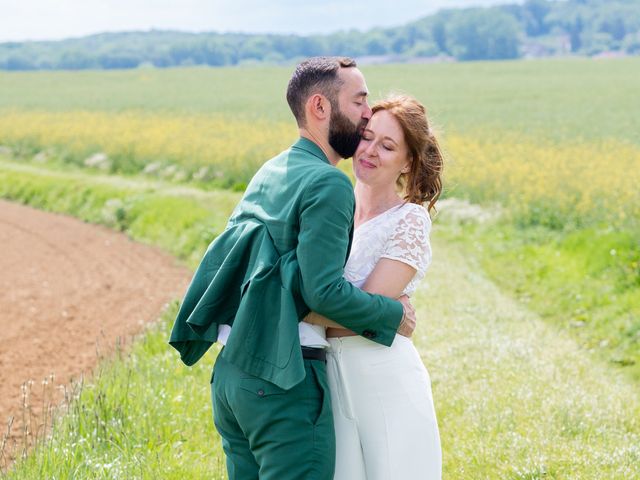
(141, 415)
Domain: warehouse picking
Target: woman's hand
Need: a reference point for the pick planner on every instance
(408, 323)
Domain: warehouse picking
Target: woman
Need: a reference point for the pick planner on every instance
(383, 409)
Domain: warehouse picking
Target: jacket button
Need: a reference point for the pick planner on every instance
(369, 334)
(261, 393)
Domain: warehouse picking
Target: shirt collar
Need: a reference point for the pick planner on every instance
(310, 147)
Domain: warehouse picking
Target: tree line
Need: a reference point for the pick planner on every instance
(532, 29)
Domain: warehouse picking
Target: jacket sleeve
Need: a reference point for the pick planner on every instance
(326, 222)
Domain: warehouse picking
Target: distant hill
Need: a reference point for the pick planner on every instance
(537, 28)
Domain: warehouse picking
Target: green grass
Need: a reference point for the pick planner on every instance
(141, 415)
(584, 282)
(557, 99)
(182, 221)
(515, 399)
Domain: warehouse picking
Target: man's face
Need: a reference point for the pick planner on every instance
(348, 121)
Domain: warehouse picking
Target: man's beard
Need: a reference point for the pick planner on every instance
(344, 136)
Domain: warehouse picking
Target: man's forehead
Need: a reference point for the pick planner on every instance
(353, 81)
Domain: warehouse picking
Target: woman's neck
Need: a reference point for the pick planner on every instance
(373, 200)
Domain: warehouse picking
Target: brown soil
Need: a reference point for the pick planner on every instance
(69, 293)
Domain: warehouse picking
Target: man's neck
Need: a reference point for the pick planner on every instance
(319, 139)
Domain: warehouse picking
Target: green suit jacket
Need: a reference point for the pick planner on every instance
(282, 254)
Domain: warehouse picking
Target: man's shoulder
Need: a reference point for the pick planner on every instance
(333, 176)
(309, 167)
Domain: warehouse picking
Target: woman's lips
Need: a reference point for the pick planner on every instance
(366, 164)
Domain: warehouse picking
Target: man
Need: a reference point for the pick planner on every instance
(282, 254)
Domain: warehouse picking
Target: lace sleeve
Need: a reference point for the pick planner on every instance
(409, 242)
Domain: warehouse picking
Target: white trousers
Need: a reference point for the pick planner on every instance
(385, 422)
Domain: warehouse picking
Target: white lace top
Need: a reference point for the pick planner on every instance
(401, 233)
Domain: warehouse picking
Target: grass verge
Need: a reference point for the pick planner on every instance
(181, 220)
(141, 415)
(585, 282)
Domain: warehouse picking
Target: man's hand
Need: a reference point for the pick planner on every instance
(408, 323)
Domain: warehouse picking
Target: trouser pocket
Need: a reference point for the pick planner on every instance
(319, 390)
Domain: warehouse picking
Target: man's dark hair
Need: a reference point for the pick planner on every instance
(315, 75)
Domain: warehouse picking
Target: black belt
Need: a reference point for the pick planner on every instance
(310, 353)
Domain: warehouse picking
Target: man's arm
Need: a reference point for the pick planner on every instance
(388, 278)
(326, 221)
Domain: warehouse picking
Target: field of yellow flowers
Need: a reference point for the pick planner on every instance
(542, 182)
(575, 183)
(179, 147)
(554, 141)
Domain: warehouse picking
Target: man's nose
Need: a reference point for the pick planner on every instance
(367, 111)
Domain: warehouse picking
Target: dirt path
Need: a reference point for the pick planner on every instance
(69, 291)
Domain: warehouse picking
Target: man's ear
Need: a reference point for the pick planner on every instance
(318, 107)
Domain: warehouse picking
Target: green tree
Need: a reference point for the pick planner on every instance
(469, 34)
(79, 59)
(483, 34)
(575, 30)
(17, 61)
(218, 52)
(439, 34)
(118, 60)
(376, 43)
(423, 48)
(255, 48)
(535, 13)
(613, 24)
(398, 40)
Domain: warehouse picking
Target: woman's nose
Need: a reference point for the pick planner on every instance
(372, 148)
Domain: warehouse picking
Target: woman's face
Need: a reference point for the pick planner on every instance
(382, 154)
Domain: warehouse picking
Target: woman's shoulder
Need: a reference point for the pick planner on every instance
(414, 213)
(409, 241)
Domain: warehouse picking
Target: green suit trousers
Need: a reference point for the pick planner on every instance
(273, 434)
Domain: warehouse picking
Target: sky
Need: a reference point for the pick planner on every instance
(56, 19)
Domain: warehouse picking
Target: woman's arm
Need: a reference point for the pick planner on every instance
(317, 319)
(388, 278)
